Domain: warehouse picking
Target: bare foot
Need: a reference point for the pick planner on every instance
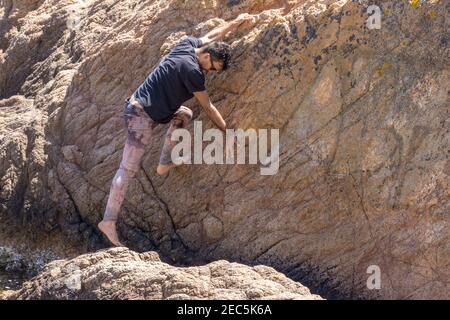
(164, 168)
(109, 230)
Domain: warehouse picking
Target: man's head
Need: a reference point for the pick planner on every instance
(214, 57)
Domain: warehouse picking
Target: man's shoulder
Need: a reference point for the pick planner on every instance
(190, 41)
(185, 49)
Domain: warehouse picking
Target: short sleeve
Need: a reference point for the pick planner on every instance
(194, 80)
(195, 42)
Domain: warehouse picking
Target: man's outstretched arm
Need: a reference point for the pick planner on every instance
(210, 109)
(221, 31)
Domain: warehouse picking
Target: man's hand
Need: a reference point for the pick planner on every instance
(242, 18)
(221, 31)
(229, 147)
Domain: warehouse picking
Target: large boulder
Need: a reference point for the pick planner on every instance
(123, 274)
(363, 117)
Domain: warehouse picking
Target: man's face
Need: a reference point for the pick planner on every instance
(212, 65)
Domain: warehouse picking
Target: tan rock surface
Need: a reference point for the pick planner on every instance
(364, 135)
(123, 274)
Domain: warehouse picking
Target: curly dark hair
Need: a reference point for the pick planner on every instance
(219, 51)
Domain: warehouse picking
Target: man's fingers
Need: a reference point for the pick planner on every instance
(229, 148)
(245, 17)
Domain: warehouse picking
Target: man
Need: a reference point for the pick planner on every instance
(178, 77)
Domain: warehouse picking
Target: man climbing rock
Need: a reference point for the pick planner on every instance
(177, 78)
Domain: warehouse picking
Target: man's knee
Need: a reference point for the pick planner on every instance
(124, 175)
(184, 114)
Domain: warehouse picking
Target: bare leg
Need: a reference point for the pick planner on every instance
(181, 119)
(139, 133)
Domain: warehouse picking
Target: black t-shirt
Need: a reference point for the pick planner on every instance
(172, 82)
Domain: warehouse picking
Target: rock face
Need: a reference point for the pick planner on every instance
(123, 274)
(364, 134)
